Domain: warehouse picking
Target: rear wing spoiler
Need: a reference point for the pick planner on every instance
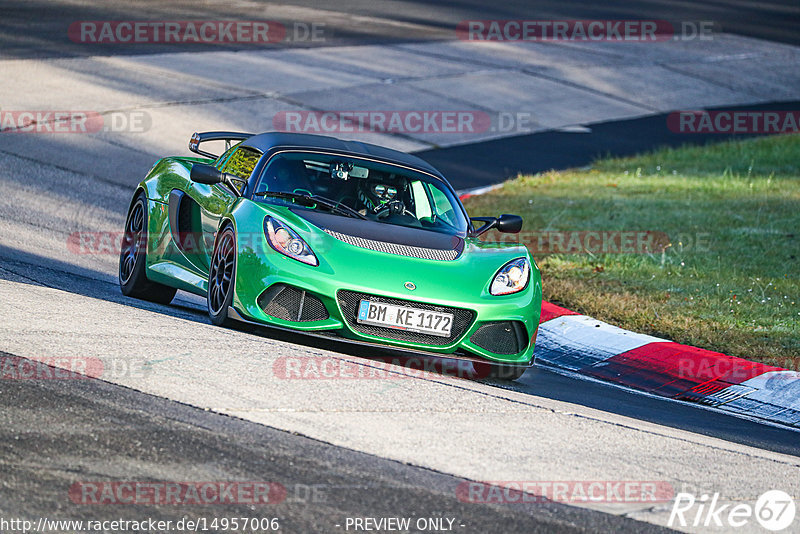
(201, 137)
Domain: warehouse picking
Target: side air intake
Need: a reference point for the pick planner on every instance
(290, 303)
(502, 337)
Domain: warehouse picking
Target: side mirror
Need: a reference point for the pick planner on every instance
(510, 224)
(206, 174)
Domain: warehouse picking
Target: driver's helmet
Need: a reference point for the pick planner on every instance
(373, 194)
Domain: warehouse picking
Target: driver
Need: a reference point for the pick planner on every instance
(384, 201)
(375, 195)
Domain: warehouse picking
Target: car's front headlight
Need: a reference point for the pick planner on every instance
(511, 278)
(287, 242)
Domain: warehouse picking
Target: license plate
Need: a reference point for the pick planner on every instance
(405, 318)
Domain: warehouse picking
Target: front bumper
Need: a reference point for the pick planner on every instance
(500, 330)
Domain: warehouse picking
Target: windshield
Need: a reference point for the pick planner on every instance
(378, 191)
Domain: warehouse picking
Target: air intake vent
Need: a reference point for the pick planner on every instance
(394, 248)
(504, 337)
(292, 304)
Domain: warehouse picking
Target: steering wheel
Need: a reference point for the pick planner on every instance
(394, 207)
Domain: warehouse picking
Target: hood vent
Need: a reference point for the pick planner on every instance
(395, 248)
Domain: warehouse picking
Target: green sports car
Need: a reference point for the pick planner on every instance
(332, 237)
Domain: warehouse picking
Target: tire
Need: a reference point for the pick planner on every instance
(222, 277)
(133, 257)
(505, 372)
(500, 372)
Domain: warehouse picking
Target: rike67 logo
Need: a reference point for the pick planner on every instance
(774, 510)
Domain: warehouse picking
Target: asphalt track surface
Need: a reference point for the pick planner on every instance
(538, 381)
(105, 432)
(38, 28)
(56, 432)
(53, 433)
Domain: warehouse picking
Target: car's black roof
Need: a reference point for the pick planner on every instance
(267, 141)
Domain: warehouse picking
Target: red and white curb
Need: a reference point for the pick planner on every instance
(475, 191)
(589, 347)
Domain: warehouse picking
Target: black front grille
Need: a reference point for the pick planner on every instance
(292, 304)
(503, 337)
(349, 301)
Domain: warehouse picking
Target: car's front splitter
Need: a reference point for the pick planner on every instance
(387, 345)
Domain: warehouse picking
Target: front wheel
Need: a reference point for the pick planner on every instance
(221, 277)
(133, 256)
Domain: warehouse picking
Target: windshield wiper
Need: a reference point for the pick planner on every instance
(309, 200)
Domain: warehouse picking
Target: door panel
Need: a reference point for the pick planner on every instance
(217, 200)
(186, 227)
(212, 202)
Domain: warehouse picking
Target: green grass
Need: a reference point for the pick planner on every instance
(730, 279)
